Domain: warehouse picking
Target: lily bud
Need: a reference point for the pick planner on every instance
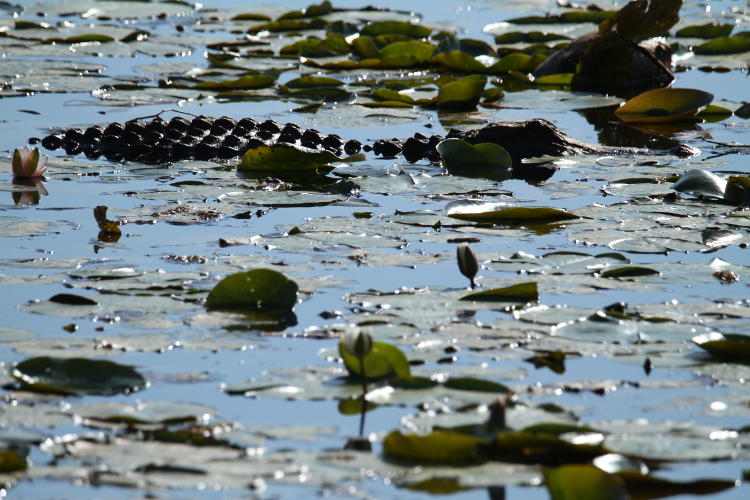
(357, 343)
(467, 262)
(28, 163)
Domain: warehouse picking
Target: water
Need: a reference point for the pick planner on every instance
(73, 236)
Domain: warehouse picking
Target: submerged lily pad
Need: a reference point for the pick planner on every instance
(77, 376)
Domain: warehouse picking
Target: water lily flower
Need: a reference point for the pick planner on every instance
(467, 262)
(28, 163)
(357, 343)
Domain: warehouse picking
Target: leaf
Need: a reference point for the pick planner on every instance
(664, 105)
(556, 429)
(11, 461)
(391, 95)
(555, 361)
(244, 82)
(438, 486)
(286, 158)
(729, 346)
(528, 37)
(259, 289)
(72, 299)
(522, 292)
(516, 61)
(725, 45)
(457, 156)
(384, 360)
(459, 60)
(701, 182)
(642, 19)
(574, 16)
(353, 406)
(709, 30)
(475, 384)
(406, 54)
(583, 482)
(642, 486)
(545, 449)
(305, 82)
(490, 213)
(462, 94)
(738, 190)
(439, 447)
(396, 27)
(72, 376)
(91, 37)
(629, 272)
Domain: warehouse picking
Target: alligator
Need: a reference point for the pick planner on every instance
(157, 141)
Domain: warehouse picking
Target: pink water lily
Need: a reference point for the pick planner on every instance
(28, 163)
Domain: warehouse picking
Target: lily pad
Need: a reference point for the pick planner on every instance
(462, 94)
(701, 182)
(725, 45)
(259, 289)
(384, 360)
(458, 156)
(729, 346)
(583, 482)
(73, 376)
(492, 213)
(664, 105)
(522, 292)
(439, 447)
(286, 158)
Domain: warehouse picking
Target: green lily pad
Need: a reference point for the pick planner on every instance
(459, 156)
(528, 37)
(475, 384)
(630, 272)
(573, 16)
(384, 360)
(539, 448)
(725, 45)
(664, 105)
(439, 447)
(286, 158)
(405, 54)
(522, 292)
(11, 461)
(259, 289)
(496, 213)
(73, 376)
(462, 94)
(459, 60)
(583, 482)
(729, 346)
(396, 27)
(391, 95)
(245, 82)
(305, 82)
(710, 30)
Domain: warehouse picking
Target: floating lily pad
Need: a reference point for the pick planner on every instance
(73, 376)
(459, 156)
(664, 105)
(286, 158)
(583, 482)
(259, 289)
(710, 30)
(725, 45)
(439, 447)
(629, 272)
(492, 213)
(244, 82)
(729, 346)
(462, 94)
(384, 360)
(522, 292)
(701, 182)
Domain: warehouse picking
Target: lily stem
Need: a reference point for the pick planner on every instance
(363, 380)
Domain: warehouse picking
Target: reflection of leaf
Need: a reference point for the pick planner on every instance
(583, 482)
(664, 105)
(77, 375)
(522, 292)
(256, 289)
(384, 360)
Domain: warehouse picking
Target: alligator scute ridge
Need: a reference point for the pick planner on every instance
(204, 138)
